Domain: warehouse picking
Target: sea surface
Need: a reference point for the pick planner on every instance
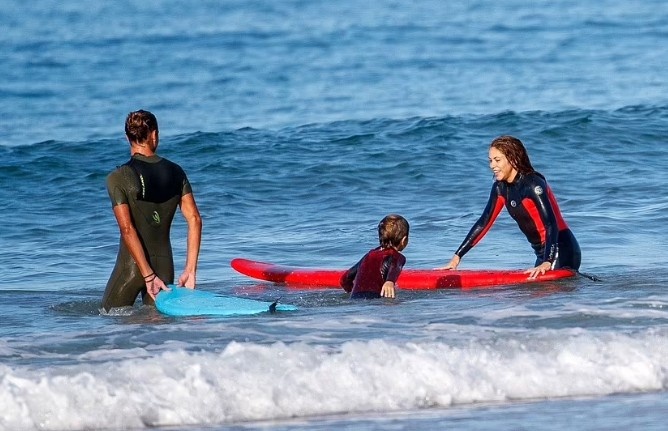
(301, 124)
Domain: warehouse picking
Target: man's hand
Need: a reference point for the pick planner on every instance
(187, 279)
(154, 286)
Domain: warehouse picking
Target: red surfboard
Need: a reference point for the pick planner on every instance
(410, 279)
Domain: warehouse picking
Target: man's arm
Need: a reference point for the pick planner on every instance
(129, 235)
(194, 221)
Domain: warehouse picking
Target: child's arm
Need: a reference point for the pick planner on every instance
(391, 269)
(348, 278)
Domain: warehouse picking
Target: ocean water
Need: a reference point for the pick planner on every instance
(301, 124)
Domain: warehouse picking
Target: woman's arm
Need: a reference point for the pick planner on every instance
(494, 206)
(539, 193)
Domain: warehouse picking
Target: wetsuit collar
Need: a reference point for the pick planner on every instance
(149, 159)
(515, 180)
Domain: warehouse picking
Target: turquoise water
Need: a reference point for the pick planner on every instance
(301, 124)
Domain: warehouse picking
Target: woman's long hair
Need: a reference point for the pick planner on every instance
(515, 152)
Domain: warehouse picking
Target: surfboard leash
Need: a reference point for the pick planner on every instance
(589, 276)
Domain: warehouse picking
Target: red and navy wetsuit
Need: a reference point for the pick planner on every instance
(365, 279)
(529, 200)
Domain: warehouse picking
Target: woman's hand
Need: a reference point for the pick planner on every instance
(539, 270)
(453, 264)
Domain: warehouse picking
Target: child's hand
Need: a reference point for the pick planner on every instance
(388, 290)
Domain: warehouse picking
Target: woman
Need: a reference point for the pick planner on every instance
(529, 201)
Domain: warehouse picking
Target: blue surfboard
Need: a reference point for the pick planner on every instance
(180, 301)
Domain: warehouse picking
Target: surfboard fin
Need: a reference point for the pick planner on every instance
(272, 307)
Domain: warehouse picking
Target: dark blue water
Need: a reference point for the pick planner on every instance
(301, 124)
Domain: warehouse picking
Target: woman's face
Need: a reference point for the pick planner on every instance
(500, 166)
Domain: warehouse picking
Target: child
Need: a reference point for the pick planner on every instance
(375, 275)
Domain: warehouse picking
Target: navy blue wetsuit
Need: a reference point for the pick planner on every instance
(365, 279)
(530, 202)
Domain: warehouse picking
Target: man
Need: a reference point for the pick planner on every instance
(145, 193)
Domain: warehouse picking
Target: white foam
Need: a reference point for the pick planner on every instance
(247, 381)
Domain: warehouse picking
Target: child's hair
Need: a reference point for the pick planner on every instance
(391, 230)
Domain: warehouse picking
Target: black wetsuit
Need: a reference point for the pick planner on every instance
(365, 279)
(152, 187)
(529, 200)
